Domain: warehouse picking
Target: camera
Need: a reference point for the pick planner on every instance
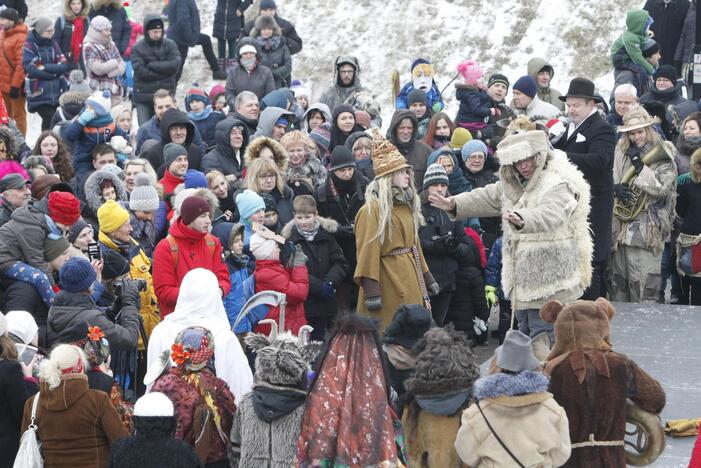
(121, 285)
(448, 239)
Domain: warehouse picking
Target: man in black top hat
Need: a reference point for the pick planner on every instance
(589, 143)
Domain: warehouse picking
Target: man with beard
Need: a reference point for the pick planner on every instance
(347, 82)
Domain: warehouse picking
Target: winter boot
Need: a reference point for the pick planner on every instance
(219, 74)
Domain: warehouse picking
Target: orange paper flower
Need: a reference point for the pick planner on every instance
(178, 354)
(95, 334)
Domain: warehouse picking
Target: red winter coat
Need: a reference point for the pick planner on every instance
(193, 252)
(696, 454)
(272, 276)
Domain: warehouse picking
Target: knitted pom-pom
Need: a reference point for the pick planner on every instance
(143, 179)
(470, 71)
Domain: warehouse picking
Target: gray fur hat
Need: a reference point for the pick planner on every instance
(280, 366)
(444, 363)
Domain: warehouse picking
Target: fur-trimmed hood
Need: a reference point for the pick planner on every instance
(68, 13)
(266, 22)
(327, 224)
(93, 196)
(510, 385)
(181, 193)
(99, 4)
(279, 154)
(695, 166)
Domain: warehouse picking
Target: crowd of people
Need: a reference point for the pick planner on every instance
(130, 247)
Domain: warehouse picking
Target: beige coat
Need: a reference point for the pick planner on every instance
(550, 256)
(533, 426)
(396, 274)
(651, 228)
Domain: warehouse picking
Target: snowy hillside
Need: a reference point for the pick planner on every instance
(574, 36)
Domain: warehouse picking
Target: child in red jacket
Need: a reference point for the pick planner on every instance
(271, 275)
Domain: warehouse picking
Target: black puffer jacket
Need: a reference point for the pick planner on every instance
(113, 11)
(63, 29)
(341, 204)
(153, 444)
(23, 296)
(73, 313)
(154, 154)
(155, 64)
(14, 392)
(491, 227)
(222, 157)
(226, 24)
(325, 263)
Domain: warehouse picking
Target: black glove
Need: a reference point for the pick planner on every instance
(345, 231)
(287, 253)
(451, 243)
(130, 293)
(14, 92)
(634, 156)
(622, 192)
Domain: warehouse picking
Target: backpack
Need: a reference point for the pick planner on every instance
(211, 245)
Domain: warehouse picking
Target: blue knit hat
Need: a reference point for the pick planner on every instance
(195, 179)
(248, 203)
(473, 146)
(76, 275)
(526, 85)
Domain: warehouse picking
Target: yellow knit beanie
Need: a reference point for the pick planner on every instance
(111, 216)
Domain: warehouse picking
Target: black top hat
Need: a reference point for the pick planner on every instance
(581, 88)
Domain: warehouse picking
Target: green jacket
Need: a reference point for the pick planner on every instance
(633, 38)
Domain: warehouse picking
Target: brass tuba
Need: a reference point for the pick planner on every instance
(628, 210)
(647, 436)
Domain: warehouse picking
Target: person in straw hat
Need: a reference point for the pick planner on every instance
(544, 202)
(391, 270)
(643, 166)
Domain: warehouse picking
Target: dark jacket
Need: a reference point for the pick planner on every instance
(113, 11)
(668, 16)
(153, 444)
(70, 104)
(5, 211)
(594, 157)
(275, 55)
(172, 117)
(184, 22)
(685, 47)
(325, 263)
(260, 81)
(416, 152)
(251, 125)
(13, 393)
(491, 227)
(468, 299)
(85, 137)
(226, 24)
(284, 203)
(64, 27)
(72, 314)
(151, 130)
(155, 64)
(206, 123)
(475, 105)
(19, 5)
(24, 296)
(22, 238)
(341, 204)
(688, 205)
(672, 97)
(222, 157)
(48, 83)
(294, 42)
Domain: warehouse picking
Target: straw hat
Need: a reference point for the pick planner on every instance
(637, 117)
(386, 158)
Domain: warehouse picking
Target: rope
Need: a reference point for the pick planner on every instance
(598, 443)
(417, 264)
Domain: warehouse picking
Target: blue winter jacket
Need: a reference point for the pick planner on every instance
(433, 97)
(206, 122)
(475, 105)
(492, 274)
(44, 65)
(184, 20)
(99, 131)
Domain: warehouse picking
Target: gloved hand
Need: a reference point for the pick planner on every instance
(635, 158)
(345, 231)
(373, 303)
(437, 107)
(433, 289)
(495, 112)
(300, 259)
(479, 326)
(328, 291)
(490, 293)
(130, 294)
(86, 116)
(622, 192)
(287, 253)
(14, 92)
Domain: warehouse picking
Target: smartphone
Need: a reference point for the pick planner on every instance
(26, 353)
(94, 251)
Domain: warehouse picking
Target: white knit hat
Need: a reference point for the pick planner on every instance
(154, 404)
(100, 102)
(144, 196)
(22, 324)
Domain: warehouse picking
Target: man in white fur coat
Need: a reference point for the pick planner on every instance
(547, 246)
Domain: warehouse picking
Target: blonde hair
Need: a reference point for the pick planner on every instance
(651, 137)
(263, 166)
(298, 137)
(379, 190)
(63, 356)
(212, 176)
(148, 168)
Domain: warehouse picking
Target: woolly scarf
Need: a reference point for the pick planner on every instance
(77, 38)
(272, 43)
(203, 115)
(310, 234)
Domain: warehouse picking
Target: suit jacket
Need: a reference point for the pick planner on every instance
(590, 147)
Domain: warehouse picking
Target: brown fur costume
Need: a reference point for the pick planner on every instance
(592, 383)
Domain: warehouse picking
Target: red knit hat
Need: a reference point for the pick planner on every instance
(192, 207)
(64, 208)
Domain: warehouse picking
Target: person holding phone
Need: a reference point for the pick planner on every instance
(543, 201)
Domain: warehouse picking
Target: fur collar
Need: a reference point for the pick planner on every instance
(72, 97)
(327, 224)
(509, 385)
(279, 153)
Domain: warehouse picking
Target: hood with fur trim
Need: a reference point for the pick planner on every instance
(279, 154)
(93, 195)
(327, 224)
(266, 22)
(181, 193)
(68, 13)
(579, 325)
(511, 385)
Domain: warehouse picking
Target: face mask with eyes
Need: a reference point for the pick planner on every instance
(422, 76)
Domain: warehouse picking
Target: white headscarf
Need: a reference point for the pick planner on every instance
(22, 324)
(200, 303)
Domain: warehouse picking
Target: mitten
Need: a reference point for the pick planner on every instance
(86, 116)
(437, 107)
(300, 259)
(328, 291)
(490, 293)
(433, 289)
(14, 92)
(622, 192)
(479, 326)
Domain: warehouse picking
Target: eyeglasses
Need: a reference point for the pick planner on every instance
(476, 157)
(267, 176)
